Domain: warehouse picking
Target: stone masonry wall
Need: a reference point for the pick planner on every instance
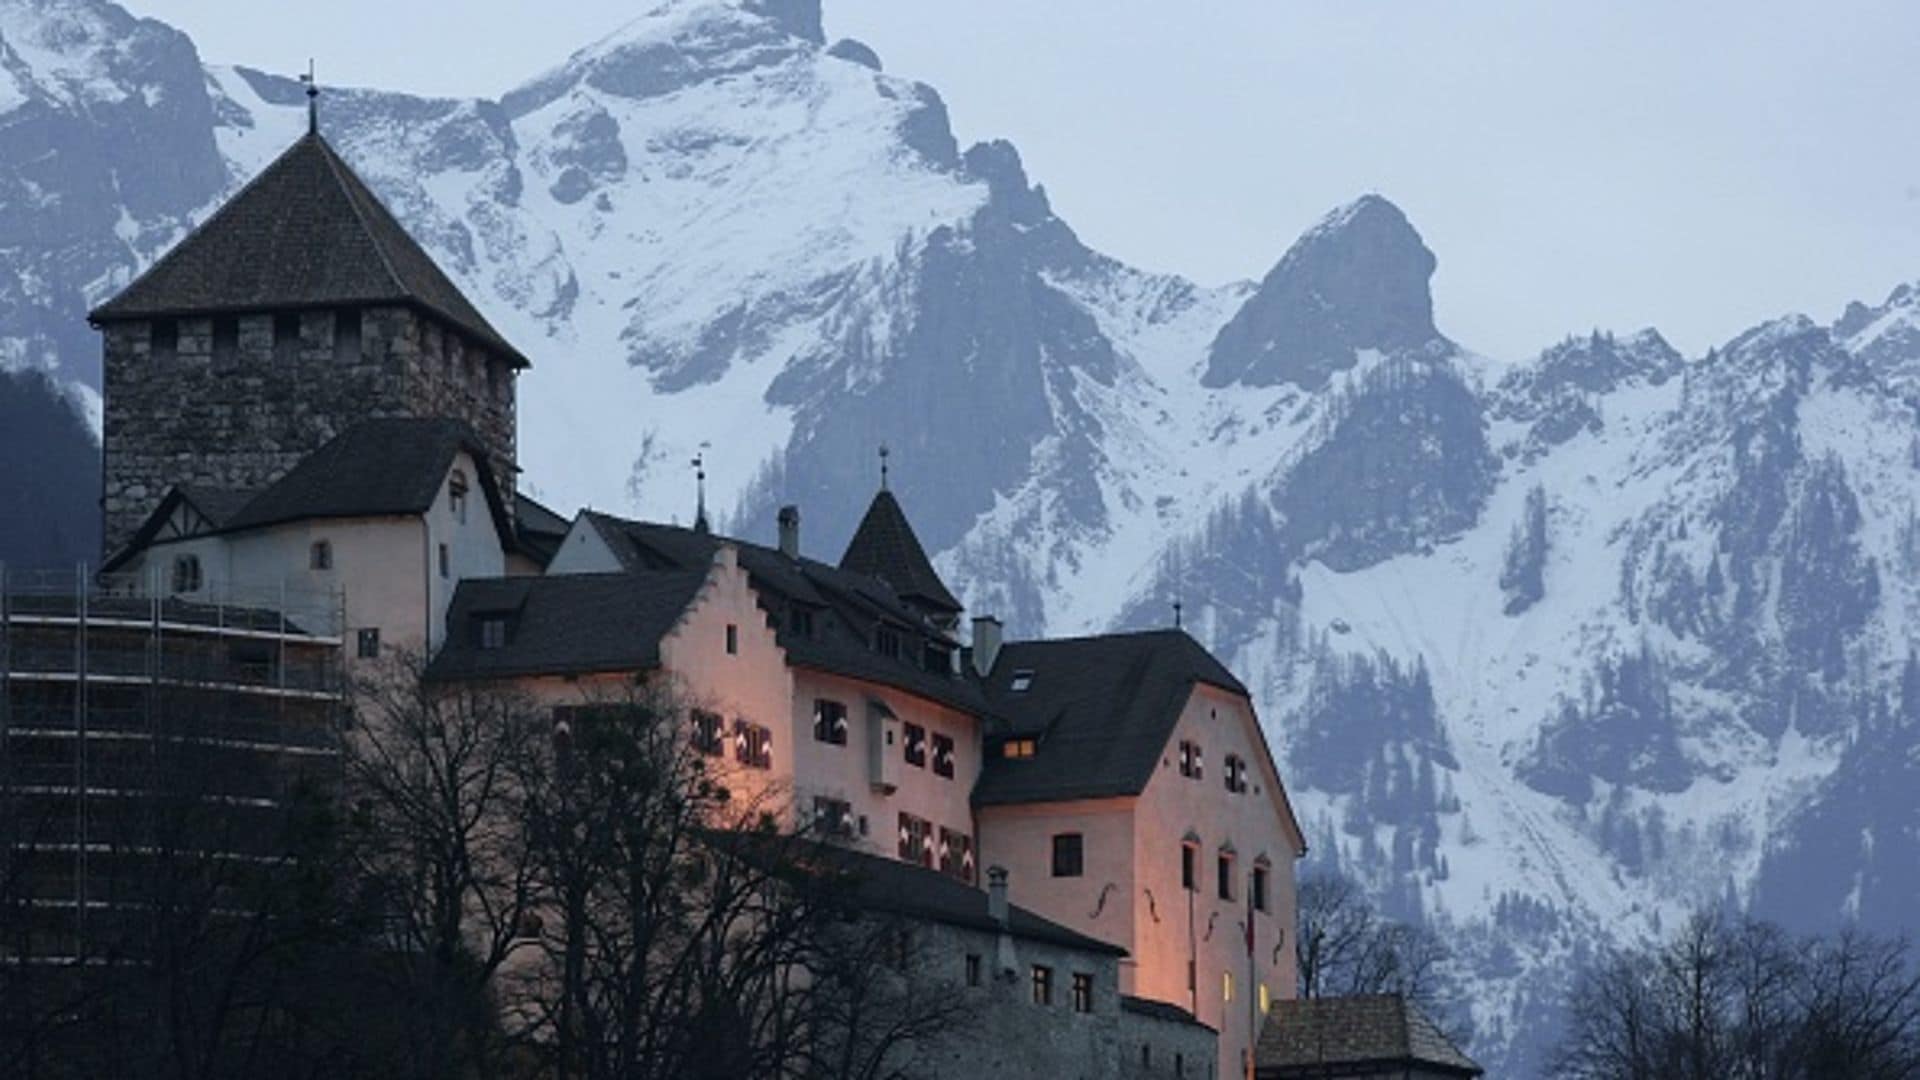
(241, 419)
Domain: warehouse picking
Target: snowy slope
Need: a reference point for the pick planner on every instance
(1554, 650)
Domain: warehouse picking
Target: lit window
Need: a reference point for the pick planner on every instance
(1018, 748)
(916, 745)
(733, 639)
(1266, 999)
(829, 722)
(1022, 681)
(1068, 854)
(1225, 866)
(369, 643)
(457, 495)
(943, 755)
(1042, 985)
(320, 556)
(1082, 992)
(186, 574)
(1226, 986)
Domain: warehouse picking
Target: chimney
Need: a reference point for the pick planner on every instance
(997, 894)
(986, 643)
(790, 531)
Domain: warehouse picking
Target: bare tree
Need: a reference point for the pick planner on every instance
(1345, 946)
(1744, 1001)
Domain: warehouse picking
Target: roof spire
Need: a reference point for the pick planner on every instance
(1176, 614)
(313, 99)
(700, 487)
(884, 452)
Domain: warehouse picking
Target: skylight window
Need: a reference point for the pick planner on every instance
(1022, 680)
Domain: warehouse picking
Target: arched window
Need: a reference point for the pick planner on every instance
(320, 556)
(457, 495)
(186, 573)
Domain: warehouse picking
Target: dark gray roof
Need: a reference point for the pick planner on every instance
(885, 547)
(567, 624)
(374, 468)
(539, 530)
(845, 608)
(1101, 708)
(1304, 1037)
(306, 232)
(884, 884)
(1160, 1010)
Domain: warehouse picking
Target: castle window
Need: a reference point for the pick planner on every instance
(226, 339)
(829, 722)
(706, 733)
(446, 561)
(832, 817)
(320, 555)
(1190, 766)
(973, 969)
(1225, 865)
(1069, 854)
(916, 840)
(1266, 999)
(916, 745)
(457, 495)
(943, 755)
(886, 642)
(186, 574)
(346, 335)
(800, 621)
(368, 641)
(956, 854)
(1236, 774)
(286, 336)
(1226, 986)
(1018, 748)
(493, 632)
(1042, 985)
(1189, 866)
(733, 639)
(753, 745)
(163, 340)
(1260, 886)
(1082, 992)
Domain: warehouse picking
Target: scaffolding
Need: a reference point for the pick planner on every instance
(116, 695)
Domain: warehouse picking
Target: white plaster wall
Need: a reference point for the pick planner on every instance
(473, 546)
(583, 551)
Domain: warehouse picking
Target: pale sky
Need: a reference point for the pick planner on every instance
(1696, 167)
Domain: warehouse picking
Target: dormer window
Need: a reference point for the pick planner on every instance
(886, 642)
(320, 555)
(457, 495)
(186, 574)
(1022, 681)
(493, 631)
(800, 621)
(1018, 748)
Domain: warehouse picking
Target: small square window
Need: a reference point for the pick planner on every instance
(320, 555)
(733, 639)
(1042, 985)
(916, 745)
(832, 817)
(369, 643)
(1022, 681)
(829, 722)
(706, 733)
(1068, 854)
(753, 745)
(943, 755)
(1082, 992)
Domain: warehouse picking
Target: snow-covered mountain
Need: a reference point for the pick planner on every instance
(1554, 650)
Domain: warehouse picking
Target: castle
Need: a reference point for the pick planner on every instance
(297, 397)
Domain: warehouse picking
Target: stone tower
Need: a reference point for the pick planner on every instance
(299, 308)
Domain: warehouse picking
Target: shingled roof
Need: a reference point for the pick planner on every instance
(1101, 707)
(376, 468)
(1354, 1036)
(845, 609)
(305, 233)
(566, 624)
(885, 547)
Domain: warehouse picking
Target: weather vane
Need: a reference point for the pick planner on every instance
(313, 98)
(700, 487)
(884, 452)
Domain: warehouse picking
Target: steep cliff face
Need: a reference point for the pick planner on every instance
(1551, 650)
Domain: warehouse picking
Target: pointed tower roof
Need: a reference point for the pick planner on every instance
(885, 547)
(307, 232)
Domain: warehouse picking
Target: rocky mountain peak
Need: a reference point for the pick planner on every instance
(1357, 280)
